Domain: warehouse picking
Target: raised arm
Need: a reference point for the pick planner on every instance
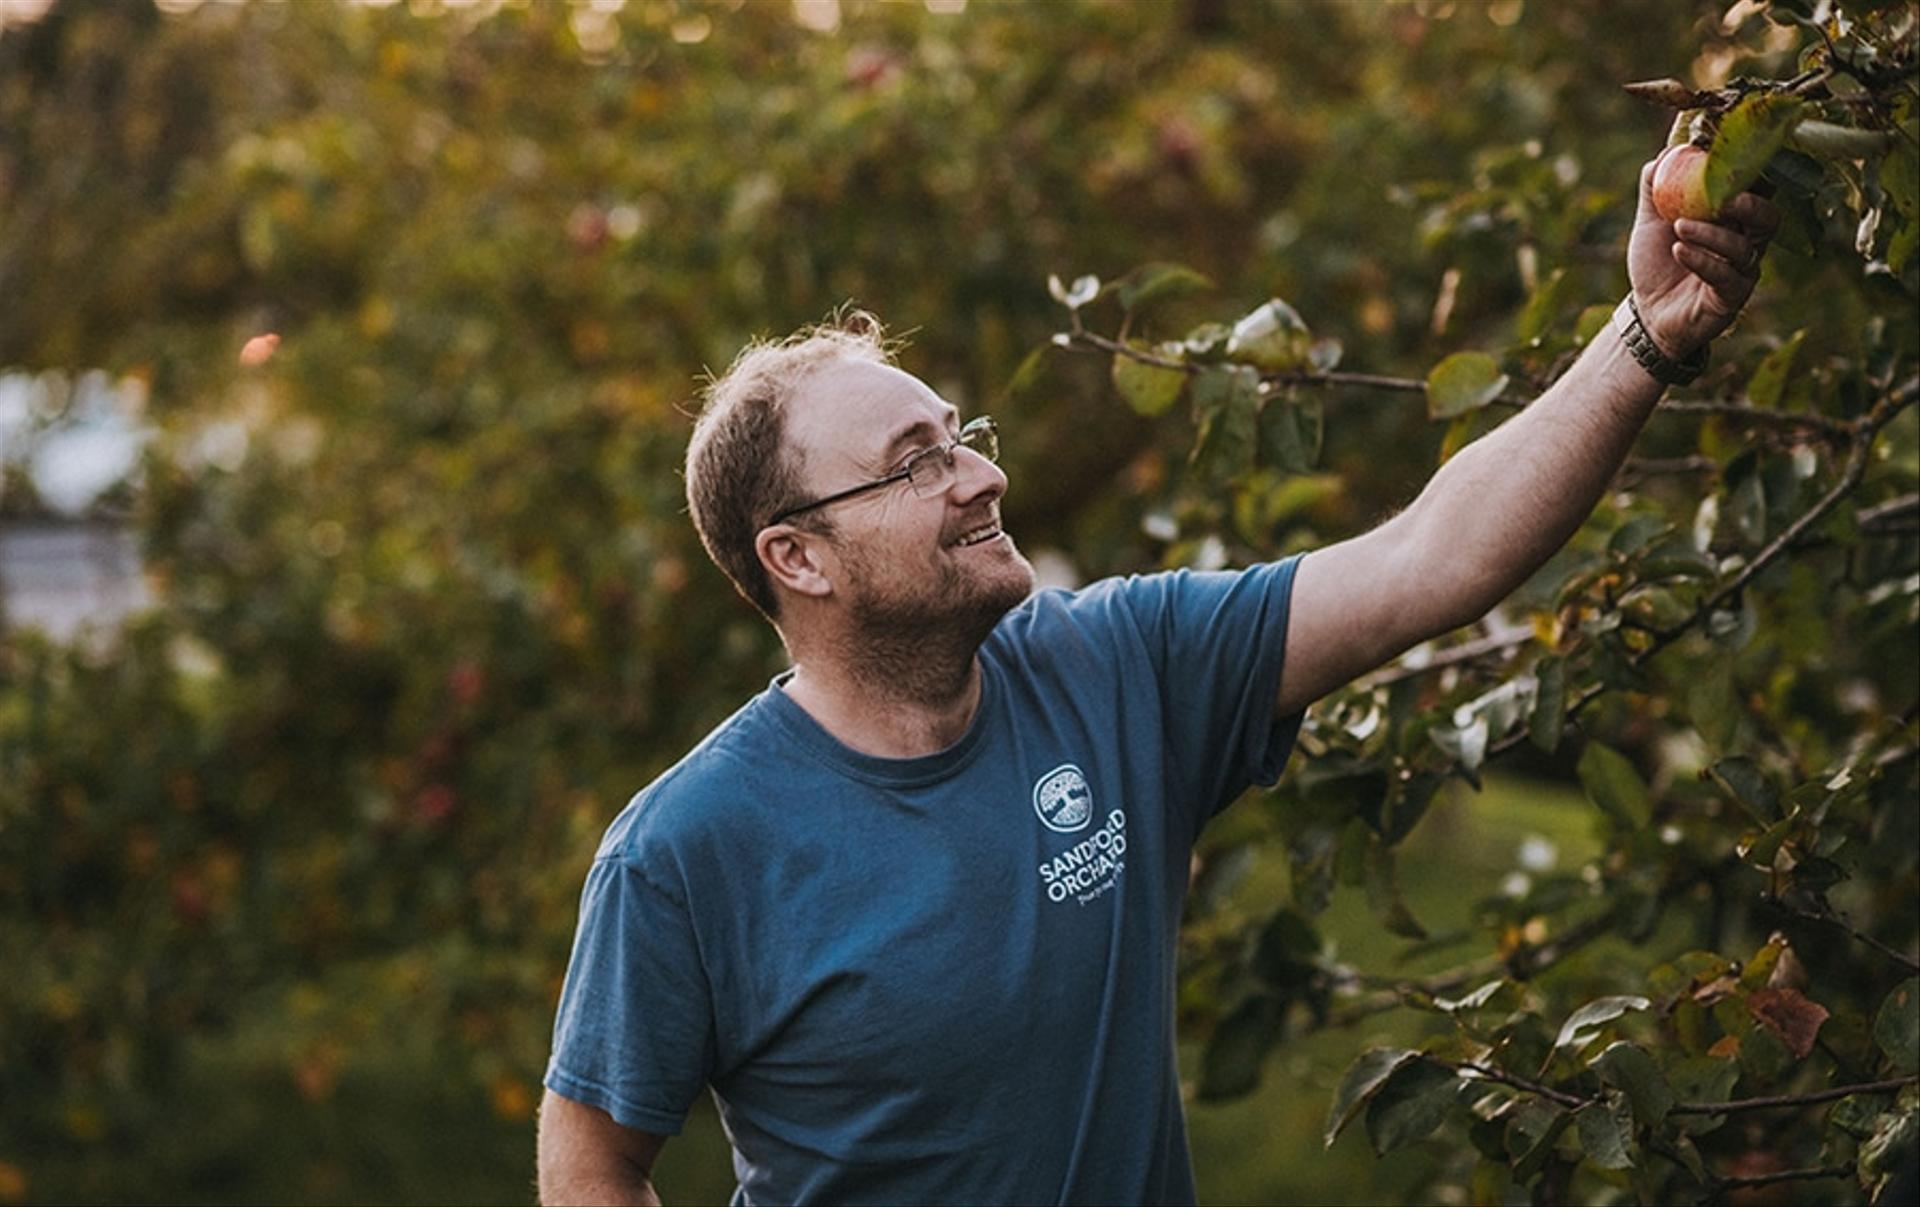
(585, 1157)
(1504, 504)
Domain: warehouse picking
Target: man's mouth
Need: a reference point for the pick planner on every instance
(985, 532)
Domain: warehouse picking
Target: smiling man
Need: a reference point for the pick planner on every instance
(911, 913)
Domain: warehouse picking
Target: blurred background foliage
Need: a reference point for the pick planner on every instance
(289, 858)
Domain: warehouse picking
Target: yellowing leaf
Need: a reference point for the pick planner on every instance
(1148, 389)
(1748, 138)
(1465, 381)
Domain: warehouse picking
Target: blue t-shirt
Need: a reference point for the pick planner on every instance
(947, 978)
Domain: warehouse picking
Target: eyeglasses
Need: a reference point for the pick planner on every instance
(927, 472)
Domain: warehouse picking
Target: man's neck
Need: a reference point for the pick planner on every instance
(922, 714)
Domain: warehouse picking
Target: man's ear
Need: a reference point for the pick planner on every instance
(798, 561)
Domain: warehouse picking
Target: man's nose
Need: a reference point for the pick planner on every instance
(975, 477)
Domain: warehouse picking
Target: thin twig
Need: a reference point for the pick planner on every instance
(1810, 1098)
(1834, 919)
(1749, 413)
(1650, 466)
(1376, 381)
(1572, 1102)
(1863, 432)
(1492, 643)
(1863, 436)
(1785, 1175)
(1373, 381)
(1889, 514)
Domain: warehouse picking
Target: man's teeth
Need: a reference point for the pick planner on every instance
(979, 534)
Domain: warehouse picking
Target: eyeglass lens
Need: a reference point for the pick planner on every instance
(928, 472)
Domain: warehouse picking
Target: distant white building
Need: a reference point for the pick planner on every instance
(65, 568)
(62, 576)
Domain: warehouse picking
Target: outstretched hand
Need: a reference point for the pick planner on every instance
(1691, 278)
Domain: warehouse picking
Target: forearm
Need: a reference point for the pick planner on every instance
(570, 1189)
(1504, 504)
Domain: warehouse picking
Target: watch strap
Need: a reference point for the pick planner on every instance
(1661, 367)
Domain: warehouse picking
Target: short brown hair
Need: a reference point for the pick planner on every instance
(739, 469)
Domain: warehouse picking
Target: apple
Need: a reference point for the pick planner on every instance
(1680, 184)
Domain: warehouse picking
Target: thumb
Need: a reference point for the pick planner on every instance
(1647, 170)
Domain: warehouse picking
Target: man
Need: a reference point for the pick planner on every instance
(911, 912)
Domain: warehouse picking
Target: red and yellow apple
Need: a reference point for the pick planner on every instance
(1680, 184)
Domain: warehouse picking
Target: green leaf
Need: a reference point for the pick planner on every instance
(1492, 1181)
(1584, 1024)
(1228, 399)
(1362, 1079)
(1148, 389)
(1764, 1056)
(1031, 367)
(1273, 339)
(1500, 995)
(1152, 283)
(1613, 784)
(1285, 953)
(1677, 559)
(1900, 177)
(1797, 173)
(1531, 1134)
(1310, 855)
(1749, 787)
(1856, 1114)
(1606, 1132)
(1755, 973)
(1549, 704)
(1711, 705)
(1837, 143)
(1901, 247)
(1592, 321)
(1628, 1068)
(1383, 894)
(1550, 298)
(1407, 803)
(1290, 434)
(1463, 382)
(1760, 847)
(1231, 1065)
(1636, 534)
(1888, 1158)
(1748, 137)
(1768, 387)
(1702, 1079)
(1206, 342)
(1413, 1102)
(1896, 1028)
(1817, 874)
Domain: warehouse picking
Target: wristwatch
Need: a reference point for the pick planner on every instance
(1659, 366)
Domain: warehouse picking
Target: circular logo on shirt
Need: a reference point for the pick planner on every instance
(1062, 799)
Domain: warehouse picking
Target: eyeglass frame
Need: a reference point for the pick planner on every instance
(946, 448)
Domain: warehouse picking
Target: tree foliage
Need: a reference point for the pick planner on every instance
(430, 608)
(1730, 648)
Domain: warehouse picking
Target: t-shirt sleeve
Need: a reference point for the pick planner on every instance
(634, 1032)
(1218, 639)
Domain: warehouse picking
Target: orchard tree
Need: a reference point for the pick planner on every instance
(427, 608)
(1725, 657)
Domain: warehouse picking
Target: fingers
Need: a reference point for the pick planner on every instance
(1726, 254)
(1731, 283)
(1725, 242)
(1647, 211)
